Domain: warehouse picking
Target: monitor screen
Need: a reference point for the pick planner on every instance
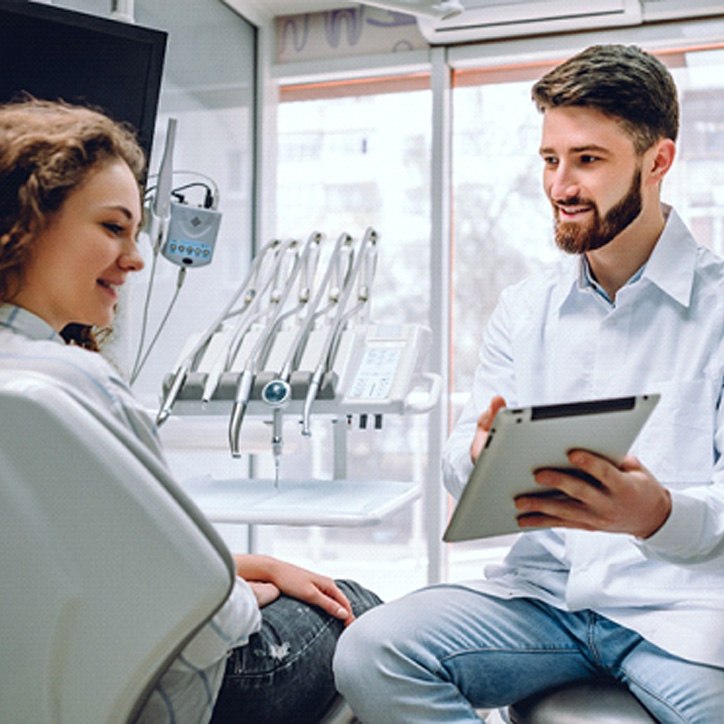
(52, 53)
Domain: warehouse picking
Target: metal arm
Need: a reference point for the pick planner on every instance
(185, 365)
(329, 348)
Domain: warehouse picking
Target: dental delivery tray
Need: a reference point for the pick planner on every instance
(349, 503)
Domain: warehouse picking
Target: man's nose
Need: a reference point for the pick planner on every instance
(563, 183)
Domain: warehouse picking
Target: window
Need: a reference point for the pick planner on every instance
(695, 185)
(344, 166)
(503, 222)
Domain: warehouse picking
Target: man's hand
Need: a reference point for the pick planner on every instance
(625, 499)
(485, 422)
(268, 577)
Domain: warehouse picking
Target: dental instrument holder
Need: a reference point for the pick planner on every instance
(376, 373)
(355, 369)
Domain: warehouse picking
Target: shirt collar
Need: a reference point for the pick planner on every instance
(670, 266)
(672, 263)
(586, 279)
(21, 321)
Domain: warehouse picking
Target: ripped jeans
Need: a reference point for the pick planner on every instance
(284, 673)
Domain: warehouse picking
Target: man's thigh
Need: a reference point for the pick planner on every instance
(672, 689)
(495, 651)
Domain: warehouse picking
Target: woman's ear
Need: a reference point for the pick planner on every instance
(661, 157)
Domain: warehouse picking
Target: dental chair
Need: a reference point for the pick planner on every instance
(107, 569)
(585, 702)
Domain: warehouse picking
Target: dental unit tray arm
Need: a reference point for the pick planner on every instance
(317, 354)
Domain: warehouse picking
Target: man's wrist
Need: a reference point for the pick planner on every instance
(662, 513)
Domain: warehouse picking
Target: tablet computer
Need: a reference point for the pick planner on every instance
(523, 440)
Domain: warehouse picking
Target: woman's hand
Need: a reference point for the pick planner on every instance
(261, 572)
(265, 592)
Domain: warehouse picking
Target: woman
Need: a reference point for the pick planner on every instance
(70, 211)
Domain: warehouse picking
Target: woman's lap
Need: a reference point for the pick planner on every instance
(284, 673)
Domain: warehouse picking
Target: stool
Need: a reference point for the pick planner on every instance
(585, 702)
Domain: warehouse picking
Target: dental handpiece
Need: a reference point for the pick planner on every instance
(184, 367)
(329, 349)
(332, 283)
(278, 392)
(312, 390)
(364, 291)
(260, 349)
(238, 410)
(277, 443)
(176, 384)
(300, 339)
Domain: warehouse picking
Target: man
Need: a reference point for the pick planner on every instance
(628, 583)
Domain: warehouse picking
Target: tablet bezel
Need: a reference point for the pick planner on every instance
(525, 439)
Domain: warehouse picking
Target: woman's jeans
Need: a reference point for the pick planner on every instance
(284, 673)
(438, 654)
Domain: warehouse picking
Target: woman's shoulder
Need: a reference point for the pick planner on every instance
(81, 369)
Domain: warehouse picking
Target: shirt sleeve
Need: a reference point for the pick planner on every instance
(494, 376)
(231, 627)
(694, 531)
(188, 689)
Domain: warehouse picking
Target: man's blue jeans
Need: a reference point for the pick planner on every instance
(284, 673)
(440, 653)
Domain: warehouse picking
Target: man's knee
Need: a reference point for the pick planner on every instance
(360, 651)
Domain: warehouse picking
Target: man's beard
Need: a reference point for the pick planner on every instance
(576, 238)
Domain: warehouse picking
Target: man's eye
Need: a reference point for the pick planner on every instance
(588, 159)
(550, 160)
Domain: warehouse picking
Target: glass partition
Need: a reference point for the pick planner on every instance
(349, 157)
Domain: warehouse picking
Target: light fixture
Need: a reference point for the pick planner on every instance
(437, 9)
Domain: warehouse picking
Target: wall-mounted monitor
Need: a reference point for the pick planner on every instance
(52, 53)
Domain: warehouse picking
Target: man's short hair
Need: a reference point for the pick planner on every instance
(622, 81)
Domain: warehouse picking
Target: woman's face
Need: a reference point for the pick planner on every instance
(85, 252)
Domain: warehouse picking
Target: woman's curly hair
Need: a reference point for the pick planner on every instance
(47, 149)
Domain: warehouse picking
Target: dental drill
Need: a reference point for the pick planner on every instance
(184, 367)
(331, 342)
(278, 392)
(259, 353)
(248, 316)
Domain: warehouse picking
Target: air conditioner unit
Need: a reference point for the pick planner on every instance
(486, 19)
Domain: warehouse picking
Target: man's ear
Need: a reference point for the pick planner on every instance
(660, 159)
